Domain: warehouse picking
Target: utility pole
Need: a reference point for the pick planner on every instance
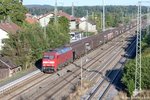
(103, 15)
(101, 20)
(55, 12)
(138, 53)
(44, 29)
(138, 72)
(87, 17)
(148, 16)
(72, 9)
(81, 72)
(122, 15)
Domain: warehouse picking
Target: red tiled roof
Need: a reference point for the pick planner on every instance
(6, 62)
(78, 20)
(31, 20)
(9, 27)
(69, 17)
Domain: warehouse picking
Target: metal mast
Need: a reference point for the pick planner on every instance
(55, 12)
(101, 21)
(87, 17)
(72, 9)
(148, 15)
(138, 53)
(103, 15)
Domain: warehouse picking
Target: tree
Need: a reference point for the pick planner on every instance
(28, 45)
(13, 9)
(129, 70)
(96, 17)
(64, 22)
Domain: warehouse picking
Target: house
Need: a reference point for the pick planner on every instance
(31, 19)
(7, 68)
(72, 19)
(5, 29)
(4, 35)
(44, 19)
(87, 26)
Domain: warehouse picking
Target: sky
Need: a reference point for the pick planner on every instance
(81, 2)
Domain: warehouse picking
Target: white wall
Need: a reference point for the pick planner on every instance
(89, 27)
(45, 20)
(72, 25)
(3, 35)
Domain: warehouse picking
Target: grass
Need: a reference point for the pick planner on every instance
(144, 95)
(76, 95)
(146, 52)
(16, 76)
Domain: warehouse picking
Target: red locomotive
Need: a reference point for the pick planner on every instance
(56, 58)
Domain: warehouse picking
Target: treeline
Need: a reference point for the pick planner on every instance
(12, 10)
(80, 11)
(129, 71)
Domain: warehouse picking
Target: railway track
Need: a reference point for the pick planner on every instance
(68, 78)
(102, 69)
(108, 89)
(60, 87)
(24, 83)
(103, 86)
(63, 77)
(55, 95)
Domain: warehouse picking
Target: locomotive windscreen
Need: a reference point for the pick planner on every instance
(48, 57)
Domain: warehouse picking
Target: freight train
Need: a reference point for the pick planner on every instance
(54, 59)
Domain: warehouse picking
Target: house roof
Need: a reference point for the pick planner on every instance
(89, 21)
(9, 27)
(78, 20)
(6, 63)
(83, 19)
(42, 16)
(69, 17)
(31, 20)
(61, 13)
(92, 22)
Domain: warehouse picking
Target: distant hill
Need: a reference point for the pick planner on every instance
(80, 11)
(39, 6)
(39, 9)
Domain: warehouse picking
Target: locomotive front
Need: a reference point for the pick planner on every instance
(49, 62)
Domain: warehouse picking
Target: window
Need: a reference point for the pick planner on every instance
(51, 57)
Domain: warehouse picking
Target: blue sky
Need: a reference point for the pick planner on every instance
(81, 2)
